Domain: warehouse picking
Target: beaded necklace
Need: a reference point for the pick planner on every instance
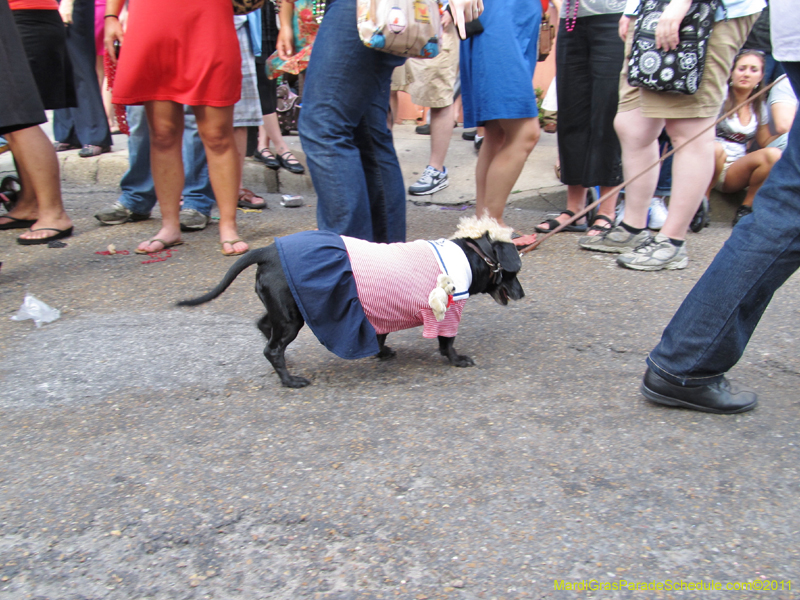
(570, 24)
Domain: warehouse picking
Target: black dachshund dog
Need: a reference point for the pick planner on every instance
(353, 293)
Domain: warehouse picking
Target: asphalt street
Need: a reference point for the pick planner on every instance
(149, 451)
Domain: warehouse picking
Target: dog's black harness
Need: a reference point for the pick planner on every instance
(486, 252)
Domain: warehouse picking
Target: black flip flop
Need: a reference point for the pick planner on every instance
(60, 234)
(16, 223)
(553, 223)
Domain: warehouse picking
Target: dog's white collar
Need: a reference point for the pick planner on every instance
(454, 263)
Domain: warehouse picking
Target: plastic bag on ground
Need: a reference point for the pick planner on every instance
(33, 308)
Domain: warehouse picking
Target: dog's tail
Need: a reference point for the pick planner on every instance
(251, 258)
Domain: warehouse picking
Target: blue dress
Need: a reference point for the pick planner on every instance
(497, 65)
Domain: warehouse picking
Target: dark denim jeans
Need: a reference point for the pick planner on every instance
(708, 334)
(87, 123)
(349, 148)
(138, 191)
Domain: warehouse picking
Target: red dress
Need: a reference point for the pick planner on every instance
(186, 52)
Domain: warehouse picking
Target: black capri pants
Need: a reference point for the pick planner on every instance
(588, 63)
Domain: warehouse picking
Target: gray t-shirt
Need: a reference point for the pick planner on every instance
(588, 8)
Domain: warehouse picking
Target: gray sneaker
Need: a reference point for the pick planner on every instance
(117, 214)
(656, 254)
(193, 220)
(430, 182)
(617, 240)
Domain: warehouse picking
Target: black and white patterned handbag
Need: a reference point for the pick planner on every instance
(679, 70)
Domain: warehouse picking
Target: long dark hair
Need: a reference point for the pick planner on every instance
(757, 103)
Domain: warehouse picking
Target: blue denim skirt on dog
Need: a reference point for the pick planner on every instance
(320, 276)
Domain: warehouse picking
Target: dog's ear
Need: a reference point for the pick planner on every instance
(508, 255)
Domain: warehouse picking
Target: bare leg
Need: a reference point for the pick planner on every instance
(240, 135)
(165, 120)
(394, 103)
(750, 171)
(215, 125)
(695, 163)
(41, 187)
(638, 136)
(273, 131)
(510, 142)
(441, 132)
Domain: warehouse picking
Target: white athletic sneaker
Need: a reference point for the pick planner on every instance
(656, 254)
(657, 213)
(430, 182)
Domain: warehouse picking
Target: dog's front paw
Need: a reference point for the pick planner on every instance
(385, 353)
(293, 381)
(462, 360)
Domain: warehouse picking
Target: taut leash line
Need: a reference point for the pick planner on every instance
(619, 187)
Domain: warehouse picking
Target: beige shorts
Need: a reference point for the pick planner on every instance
(726, 39)
(430, 81)
(721, 180)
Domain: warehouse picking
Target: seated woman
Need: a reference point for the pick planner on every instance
(782, 108)
(735, 167)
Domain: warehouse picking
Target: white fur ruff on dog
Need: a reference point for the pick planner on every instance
(474, 228)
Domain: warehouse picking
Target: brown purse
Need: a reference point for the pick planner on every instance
(547, 35)
(242, 7)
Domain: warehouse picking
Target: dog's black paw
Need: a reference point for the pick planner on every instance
(462, 360)
(295, 382)
(385, 353)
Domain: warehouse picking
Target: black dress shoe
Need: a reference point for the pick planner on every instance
(423, 129)
(719, 398)
(469, 134)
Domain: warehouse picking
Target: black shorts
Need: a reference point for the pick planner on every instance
(44, 38)
(20, 106)
(267, 91)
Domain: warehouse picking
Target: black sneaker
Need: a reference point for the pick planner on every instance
(701, 217)
(741, 212)
(430, 182)
(469, 134)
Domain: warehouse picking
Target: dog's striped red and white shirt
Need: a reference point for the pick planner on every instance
(394, 281)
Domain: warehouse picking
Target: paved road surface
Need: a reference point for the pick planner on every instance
(148, 451)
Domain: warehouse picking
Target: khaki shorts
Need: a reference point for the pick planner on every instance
(726, 39)
(430, 81)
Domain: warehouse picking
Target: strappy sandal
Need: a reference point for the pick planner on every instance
(290, 163)
(601, 229)
(553, 223)
(268, 158)
(248, 199)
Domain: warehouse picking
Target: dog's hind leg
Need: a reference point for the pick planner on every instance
(457, 360)
(280, 336)
(385, 352)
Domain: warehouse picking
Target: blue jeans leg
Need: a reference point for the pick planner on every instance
(349, 148)
(138, 192)
(708, 334)
(197, 192)
(87, 123)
